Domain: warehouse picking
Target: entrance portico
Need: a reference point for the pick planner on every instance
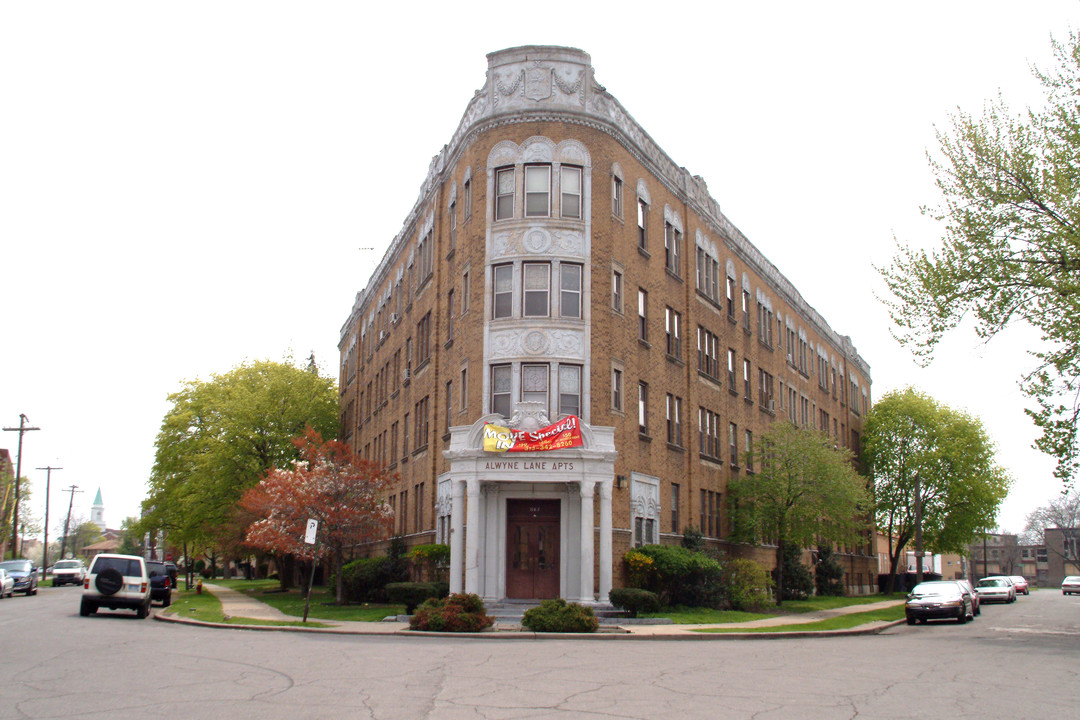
(524, 524)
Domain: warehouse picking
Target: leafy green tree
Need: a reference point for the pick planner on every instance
(934, 463)
(130, 538)
(220, 436)
(1011, 251)
(804, 491)
(83, 534)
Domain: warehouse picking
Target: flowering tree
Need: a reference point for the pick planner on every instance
(329, 484)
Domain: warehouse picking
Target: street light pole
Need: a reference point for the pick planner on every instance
(45, 551)
(22, 430)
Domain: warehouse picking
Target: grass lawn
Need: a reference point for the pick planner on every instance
(322, 607)
(706, 616)
(840, 622)
(207, 608)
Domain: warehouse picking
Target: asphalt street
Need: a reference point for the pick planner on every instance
(1015, 661)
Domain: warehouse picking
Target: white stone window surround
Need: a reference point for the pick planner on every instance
(535, 151)
(554, 291)
(645, 504)
(556, 240)
(553, 390)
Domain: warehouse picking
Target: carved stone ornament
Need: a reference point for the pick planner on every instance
(537, 240)
(529, 416)
(537, 342)
(538, 83)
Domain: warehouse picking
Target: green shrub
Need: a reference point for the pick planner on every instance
(365, 580)
(828, 573)
(457, 613)
(693, 539)
(635, 600)
(679, 576)
(560, 616)
(411, 594)
(746, 584)
(436, 555)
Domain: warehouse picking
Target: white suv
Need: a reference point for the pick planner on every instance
(116, 581)
(68, 571)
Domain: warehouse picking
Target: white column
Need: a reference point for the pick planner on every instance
(587, 559)
(457, 532)
(472, 538)
(605, 540)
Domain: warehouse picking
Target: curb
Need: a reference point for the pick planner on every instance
(869, 629)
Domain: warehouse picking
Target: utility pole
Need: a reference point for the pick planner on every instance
(918, 530)
(45, 551)
(22, 430)
(63, 543)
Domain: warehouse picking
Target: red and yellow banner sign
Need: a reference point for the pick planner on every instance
(563, 434)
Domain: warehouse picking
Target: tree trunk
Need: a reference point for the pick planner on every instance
(780, 572)
(339, 561)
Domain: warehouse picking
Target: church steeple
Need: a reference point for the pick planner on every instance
(97, 511)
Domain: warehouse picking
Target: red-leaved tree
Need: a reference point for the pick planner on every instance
(330, 484)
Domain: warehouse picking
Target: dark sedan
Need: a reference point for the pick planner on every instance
(940, 599)
(24, 573)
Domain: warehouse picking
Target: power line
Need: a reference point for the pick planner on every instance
(22, 430)
(48, 476)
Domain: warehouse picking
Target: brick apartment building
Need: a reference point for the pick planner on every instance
(558, 263)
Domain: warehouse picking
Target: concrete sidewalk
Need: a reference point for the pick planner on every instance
(237, 605)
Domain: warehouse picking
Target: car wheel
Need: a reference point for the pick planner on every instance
(109, 581)
(167, 601)
(87, 608)
(922, 621)
(962, 617)
(142, 611)
(911, 621)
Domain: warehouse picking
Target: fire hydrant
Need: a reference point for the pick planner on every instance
(198, 587)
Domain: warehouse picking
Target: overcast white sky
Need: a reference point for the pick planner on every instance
(184, 186)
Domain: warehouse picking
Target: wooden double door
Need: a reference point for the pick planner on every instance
(532, 549)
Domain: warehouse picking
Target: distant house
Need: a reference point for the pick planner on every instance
(108, 545)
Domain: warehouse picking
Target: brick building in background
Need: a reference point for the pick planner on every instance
(558, 263)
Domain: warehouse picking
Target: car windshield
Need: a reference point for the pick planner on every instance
(16, 565)
(991, 583)
(66, 564)
(935, 589)
(1072, 579)
(126, 566)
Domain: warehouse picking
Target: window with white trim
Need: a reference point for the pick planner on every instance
(537, 190)
(673, 330)
(534, 383)
(504, 193)
(536, 288)
(570, 390)
(570, 189)
(502, 389)
(672, 248)
(569, 290)
(503, 293)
